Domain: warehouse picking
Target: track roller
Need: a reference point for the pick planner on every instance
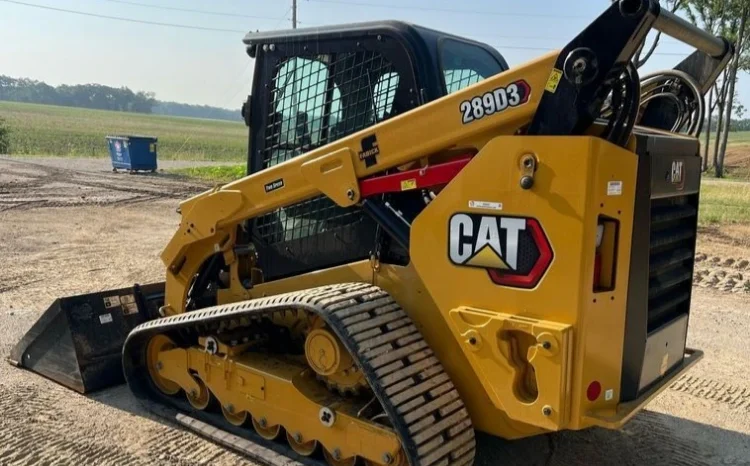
(264, 430)
(234, 418)
(199, 399)
(334, 458)
(400, 460)
(299, 445)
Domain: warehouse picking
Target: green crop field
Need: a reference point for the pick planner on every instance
(724, 202)
(738, 137)
(218, 174)
(77, 132)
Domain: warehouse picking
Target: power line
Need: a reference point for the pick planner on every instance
(118, 18)
(283, 18)
(187, 10)
(445, 10)
(516, 37)
(202, 28)
(500, 48)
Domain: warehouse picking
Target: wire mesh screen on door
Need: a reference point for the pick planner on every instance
(318, 99)
(314, 100)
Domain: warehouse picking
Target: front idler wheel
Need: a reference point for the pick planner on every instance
(156, 345)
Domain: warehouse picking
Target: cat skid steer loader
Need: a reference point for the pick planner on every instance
(426, 243)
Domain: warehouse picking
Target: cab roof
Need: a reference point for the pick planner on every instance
(398, 29)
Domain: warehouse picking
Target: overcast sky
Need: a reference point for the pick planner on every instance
(211, 67)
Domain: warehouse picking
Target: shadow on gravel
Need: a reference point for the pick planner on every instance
(120, 397)
(649, 439)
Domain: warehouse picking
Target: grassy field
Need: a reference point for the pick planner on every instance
(738, 137)
(64, 131)
(76, 132)
(220, 174)
(724, 202)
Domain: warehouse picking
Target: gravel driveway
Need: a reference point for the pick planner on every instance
(70, 226)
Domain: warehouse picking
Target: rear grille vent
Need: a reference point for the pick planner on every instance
(672, 251)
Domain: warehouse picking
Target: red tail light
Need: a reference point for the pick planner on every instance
(594, 390)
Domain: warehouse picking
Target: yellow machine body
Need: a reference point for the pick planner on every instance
(454, 304)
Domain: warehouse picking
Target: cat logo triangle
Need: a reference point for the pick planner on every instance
(487, 258)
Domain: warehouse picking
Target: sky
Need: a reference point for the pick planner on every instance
(211, 67)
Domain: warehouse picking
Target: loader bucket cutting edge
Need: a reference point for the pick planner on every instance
(78, 340)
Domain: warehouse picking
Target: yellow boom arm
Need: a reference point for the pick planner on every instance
(209, 220)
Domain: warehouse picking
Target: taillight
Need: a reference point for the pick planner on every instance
(598, 256)
(594, 390)
(605, 257)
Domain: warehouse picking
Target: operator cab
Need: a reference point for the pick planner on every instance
(314, 86)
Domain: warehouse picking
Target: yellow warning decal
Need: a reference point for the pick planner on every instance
(409, 184)
(554, 80)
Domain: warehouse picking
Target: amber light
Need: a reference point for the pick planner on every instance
(594, 390)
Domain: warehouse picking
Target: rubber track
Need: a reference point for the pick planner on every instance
(423, 405)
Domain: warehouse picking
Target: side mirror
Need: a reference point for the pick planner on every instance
(247, 110)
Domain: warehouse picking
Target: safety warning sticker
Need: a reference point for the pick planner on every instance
(128, 304)
(614, 188)
(105, 319)
(485, 205)
(111, 301)
(553, 81)
(406, 185)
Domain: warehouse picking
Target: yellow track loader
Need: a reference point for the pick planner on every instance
(427, 243)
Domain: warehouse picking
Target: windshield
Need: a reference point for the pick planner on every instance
(464, 64)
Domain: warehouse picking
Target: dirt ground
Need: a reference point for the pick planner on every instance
(71, 226)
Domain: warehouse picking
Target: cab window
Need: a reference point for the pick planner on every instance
(465, 64)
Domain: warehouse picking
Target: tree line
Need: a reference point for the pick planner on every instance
(100, 97)
(734, 125)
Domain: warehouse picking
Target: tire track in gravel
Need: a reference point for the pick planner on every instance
(54, 187)
(662, 444)
(33, 433)
(728, 274)
(734, 396)
(36, 429)
(26, 445)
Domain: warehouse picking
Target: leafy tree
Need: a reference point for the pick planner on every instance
(728, 18)
(640, 58)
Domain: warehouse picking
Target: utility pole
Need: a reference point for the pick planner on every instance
(294, 14)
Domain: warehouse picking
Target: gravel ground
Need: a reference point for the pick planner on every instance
(70, 226)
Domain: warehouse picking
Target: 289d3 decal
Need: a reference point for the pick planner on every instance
(489, 103)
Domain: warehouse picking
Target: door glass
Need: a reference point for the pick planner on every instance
(315, 100)
(299, 108)
(465, 64)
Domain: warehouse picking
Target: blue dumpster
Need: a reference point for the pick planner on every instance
(132, 153)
